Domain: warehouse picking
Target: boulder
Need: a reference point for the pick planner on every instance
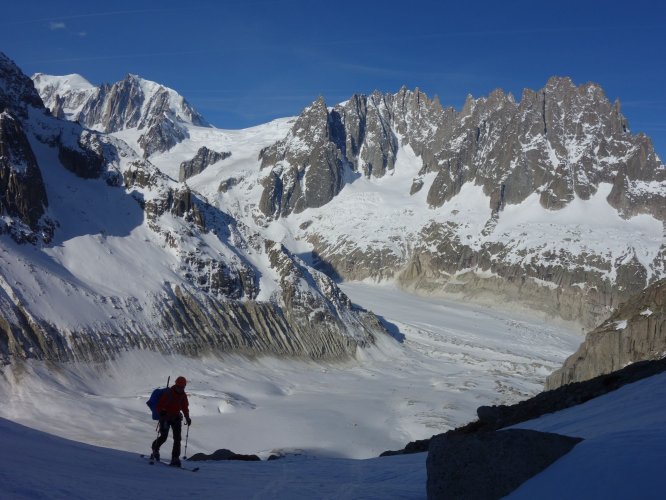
(492, 464)
(224, 454)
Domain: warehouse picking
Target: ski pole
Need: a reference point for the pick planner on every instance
(187, 435)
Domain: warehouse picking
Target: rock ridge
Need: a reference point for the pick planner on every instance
(636, 331)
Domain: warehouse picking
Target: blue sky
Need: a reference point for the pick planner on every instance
(242, 63)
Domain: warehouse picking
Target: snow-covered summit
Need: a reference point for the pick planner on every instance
(61, 84)
(64, 95)
(158, 114)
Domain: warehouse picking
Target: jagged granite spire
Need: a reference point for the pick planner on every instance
(558, 142)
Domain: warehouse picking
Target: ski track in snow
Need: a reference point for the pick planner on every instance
(454, 357)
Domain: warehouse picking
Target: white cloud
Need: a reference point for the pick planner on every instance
(57, 25)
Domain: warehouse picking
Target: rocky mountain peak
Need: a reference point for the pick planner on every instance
(17, 91)
(560, 84)
(64, 95)
(312, 123)
(560, 141)
(185, 276)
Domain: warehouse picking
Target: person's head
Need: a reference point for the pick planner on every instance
(180, 384)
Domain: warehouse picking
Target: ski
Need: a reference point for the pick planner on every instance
(152, 461)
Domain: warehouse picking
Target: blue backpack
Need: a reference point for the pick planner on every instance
(154, 399)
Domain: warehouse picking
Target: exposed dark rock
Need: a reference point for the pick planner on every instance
(418, 446)
(142, 174)
(17, 92)
(22, 192)
(83, 155)
(224, 454)
(161, 136)
(204, 158)
(636, 331)
(180, 202)
(306, 168)
(188, 322)
(490, 465)
(227, 184)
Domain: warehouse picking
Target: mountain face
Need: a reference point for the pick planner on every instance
(560, 143)
(548, 201)
(530, 176)
(636, 331)
(101, 251)
(157, 113)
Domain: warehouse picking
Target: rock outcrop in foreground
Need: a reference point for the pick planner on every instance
(224, 454)
(636, 331)
(490, 465)
(479, 460)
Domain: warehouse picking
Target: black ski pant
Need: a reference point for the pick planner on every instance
(174, 423)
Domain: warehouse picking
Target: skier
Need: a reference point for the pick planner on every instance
(171, 404)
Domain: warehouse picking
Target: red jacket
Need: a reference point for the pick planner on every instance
(173, 403)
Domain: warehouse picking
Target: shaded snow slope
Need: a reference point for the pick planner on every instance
(38, 465)
(623, 452)
(107, 258)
